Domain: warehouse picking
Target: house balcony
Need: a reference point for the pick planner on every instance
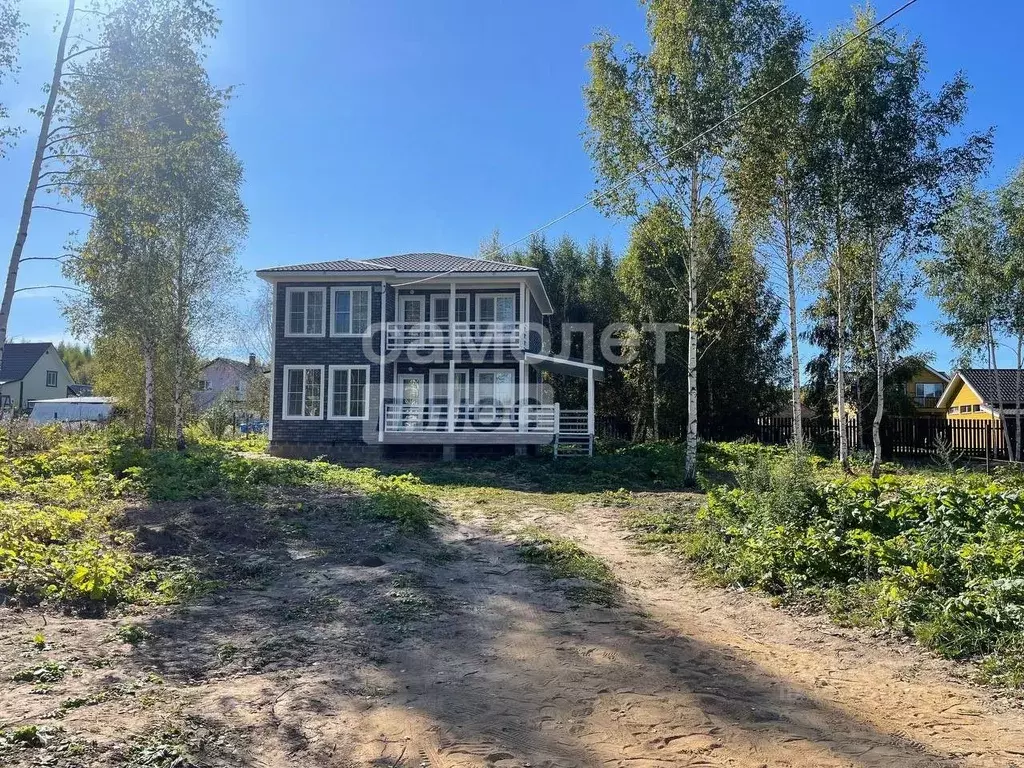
(479, 335)
(438, 423)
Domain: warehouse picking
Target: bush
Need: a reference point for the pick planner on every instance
(940, 557)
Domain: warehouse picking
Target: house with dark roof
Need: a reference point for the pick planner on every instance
(925, 387)
(225, 379)
(980, 393)
(31, 372)
(424, 354)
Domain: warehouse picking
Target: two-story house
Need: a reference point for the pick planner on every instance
(226, 380)
(427, 351)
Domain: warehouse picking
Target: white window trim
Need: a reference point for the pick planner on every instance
(56, 379)
(284, 393)
(433, 303)
(398, 386)
(480, 296)
(419, 299)
(369, 310)
(288, 311)
(458, 371)
(476, 381)
(330, 392)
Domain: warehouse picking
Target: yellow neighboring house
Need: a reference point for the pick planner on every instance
(971, 394)
(925, 388)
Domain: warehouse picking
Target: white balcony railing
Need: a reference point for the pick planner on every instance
(477, 334)
(466, 417)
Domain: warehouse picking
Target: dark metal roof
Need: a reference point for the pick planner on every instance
(983, 381)
(19, 359)
(406, 262)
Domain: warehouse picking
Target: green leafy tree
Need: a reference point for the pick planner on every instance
(1011, 212)
(653, 123)
(883, 161)
(158, 263)
(763, 181)
(78, 360)
(970, 277)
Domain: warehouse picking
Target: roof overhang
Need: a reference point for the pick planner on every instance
(418, 279)
(564, 366)
(951, 389)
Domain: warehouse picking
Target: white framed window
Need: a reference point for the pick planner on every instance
(348, 392)
(439, 385)
(439, 308)
(350, 311)
(496, 308)
(303, 393)
(304, 311)
(51, 378)
(410, 309)
(495, 386)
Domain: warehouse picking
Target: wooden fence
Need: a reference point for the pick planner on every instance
(902, 436)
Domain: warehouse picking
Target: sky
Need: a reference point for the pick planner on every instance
(374, 128)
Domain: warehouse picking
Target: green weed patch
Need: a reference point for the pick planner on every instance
(940, 557)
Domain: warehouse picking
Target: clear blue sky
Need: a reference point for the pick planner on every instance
(415, 125)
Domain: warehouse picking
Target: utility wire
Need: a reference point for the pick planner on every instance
(728, 118)
(655, 161)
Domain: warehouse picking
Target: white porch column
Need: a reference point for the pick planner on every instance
(523, 396)
(590, 401)
(524, 314)
(383, 354)
(451, 362)
(451, 318)
(451, 394)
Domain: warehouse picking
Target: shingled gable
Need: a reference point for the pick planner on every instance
(19, 358)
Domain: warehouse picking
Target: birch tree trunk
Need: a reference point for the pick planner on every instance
(33, 181)
(876, 336)
(149, 394)
(844, 448)
(1017, 418)
(690, 471)
(179, 353)
(1000, 412)
(794, 344)
(655, 397)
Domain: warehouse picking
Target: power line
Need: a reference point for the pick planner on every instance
(728, 118)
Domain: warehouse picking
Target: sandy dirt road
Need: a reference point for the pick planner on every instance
(457, 653)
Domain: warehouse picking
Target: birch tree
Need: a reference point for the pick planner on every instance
(884, 147)
(970, 277)
(654, 129)
(158, 262)
(9, 30)
(763, 181)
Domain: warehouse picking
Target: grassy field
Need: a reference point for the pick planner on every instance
(936, 555)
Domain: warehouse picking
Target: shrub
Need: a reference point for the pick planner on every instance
(939, 557)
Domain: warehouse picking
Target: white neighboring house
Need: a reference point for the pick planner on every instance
(227, 380)
(32, 372)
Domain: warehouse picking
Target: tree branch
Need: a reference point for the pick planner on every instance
(64, 210)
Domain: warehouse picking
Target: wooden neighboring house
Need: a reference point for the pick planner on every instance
(225, 379)
(925, 388)
(424, 352)
(30, 372)
(971, 394)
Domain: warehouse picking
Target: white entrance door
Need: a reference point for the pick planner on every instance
(409, 394)
(410, 313)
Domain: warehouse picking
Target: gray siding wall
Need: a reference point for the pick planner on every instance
(326, 350)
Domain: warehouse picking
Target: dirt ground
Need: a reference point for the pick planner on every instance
(454, 652)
